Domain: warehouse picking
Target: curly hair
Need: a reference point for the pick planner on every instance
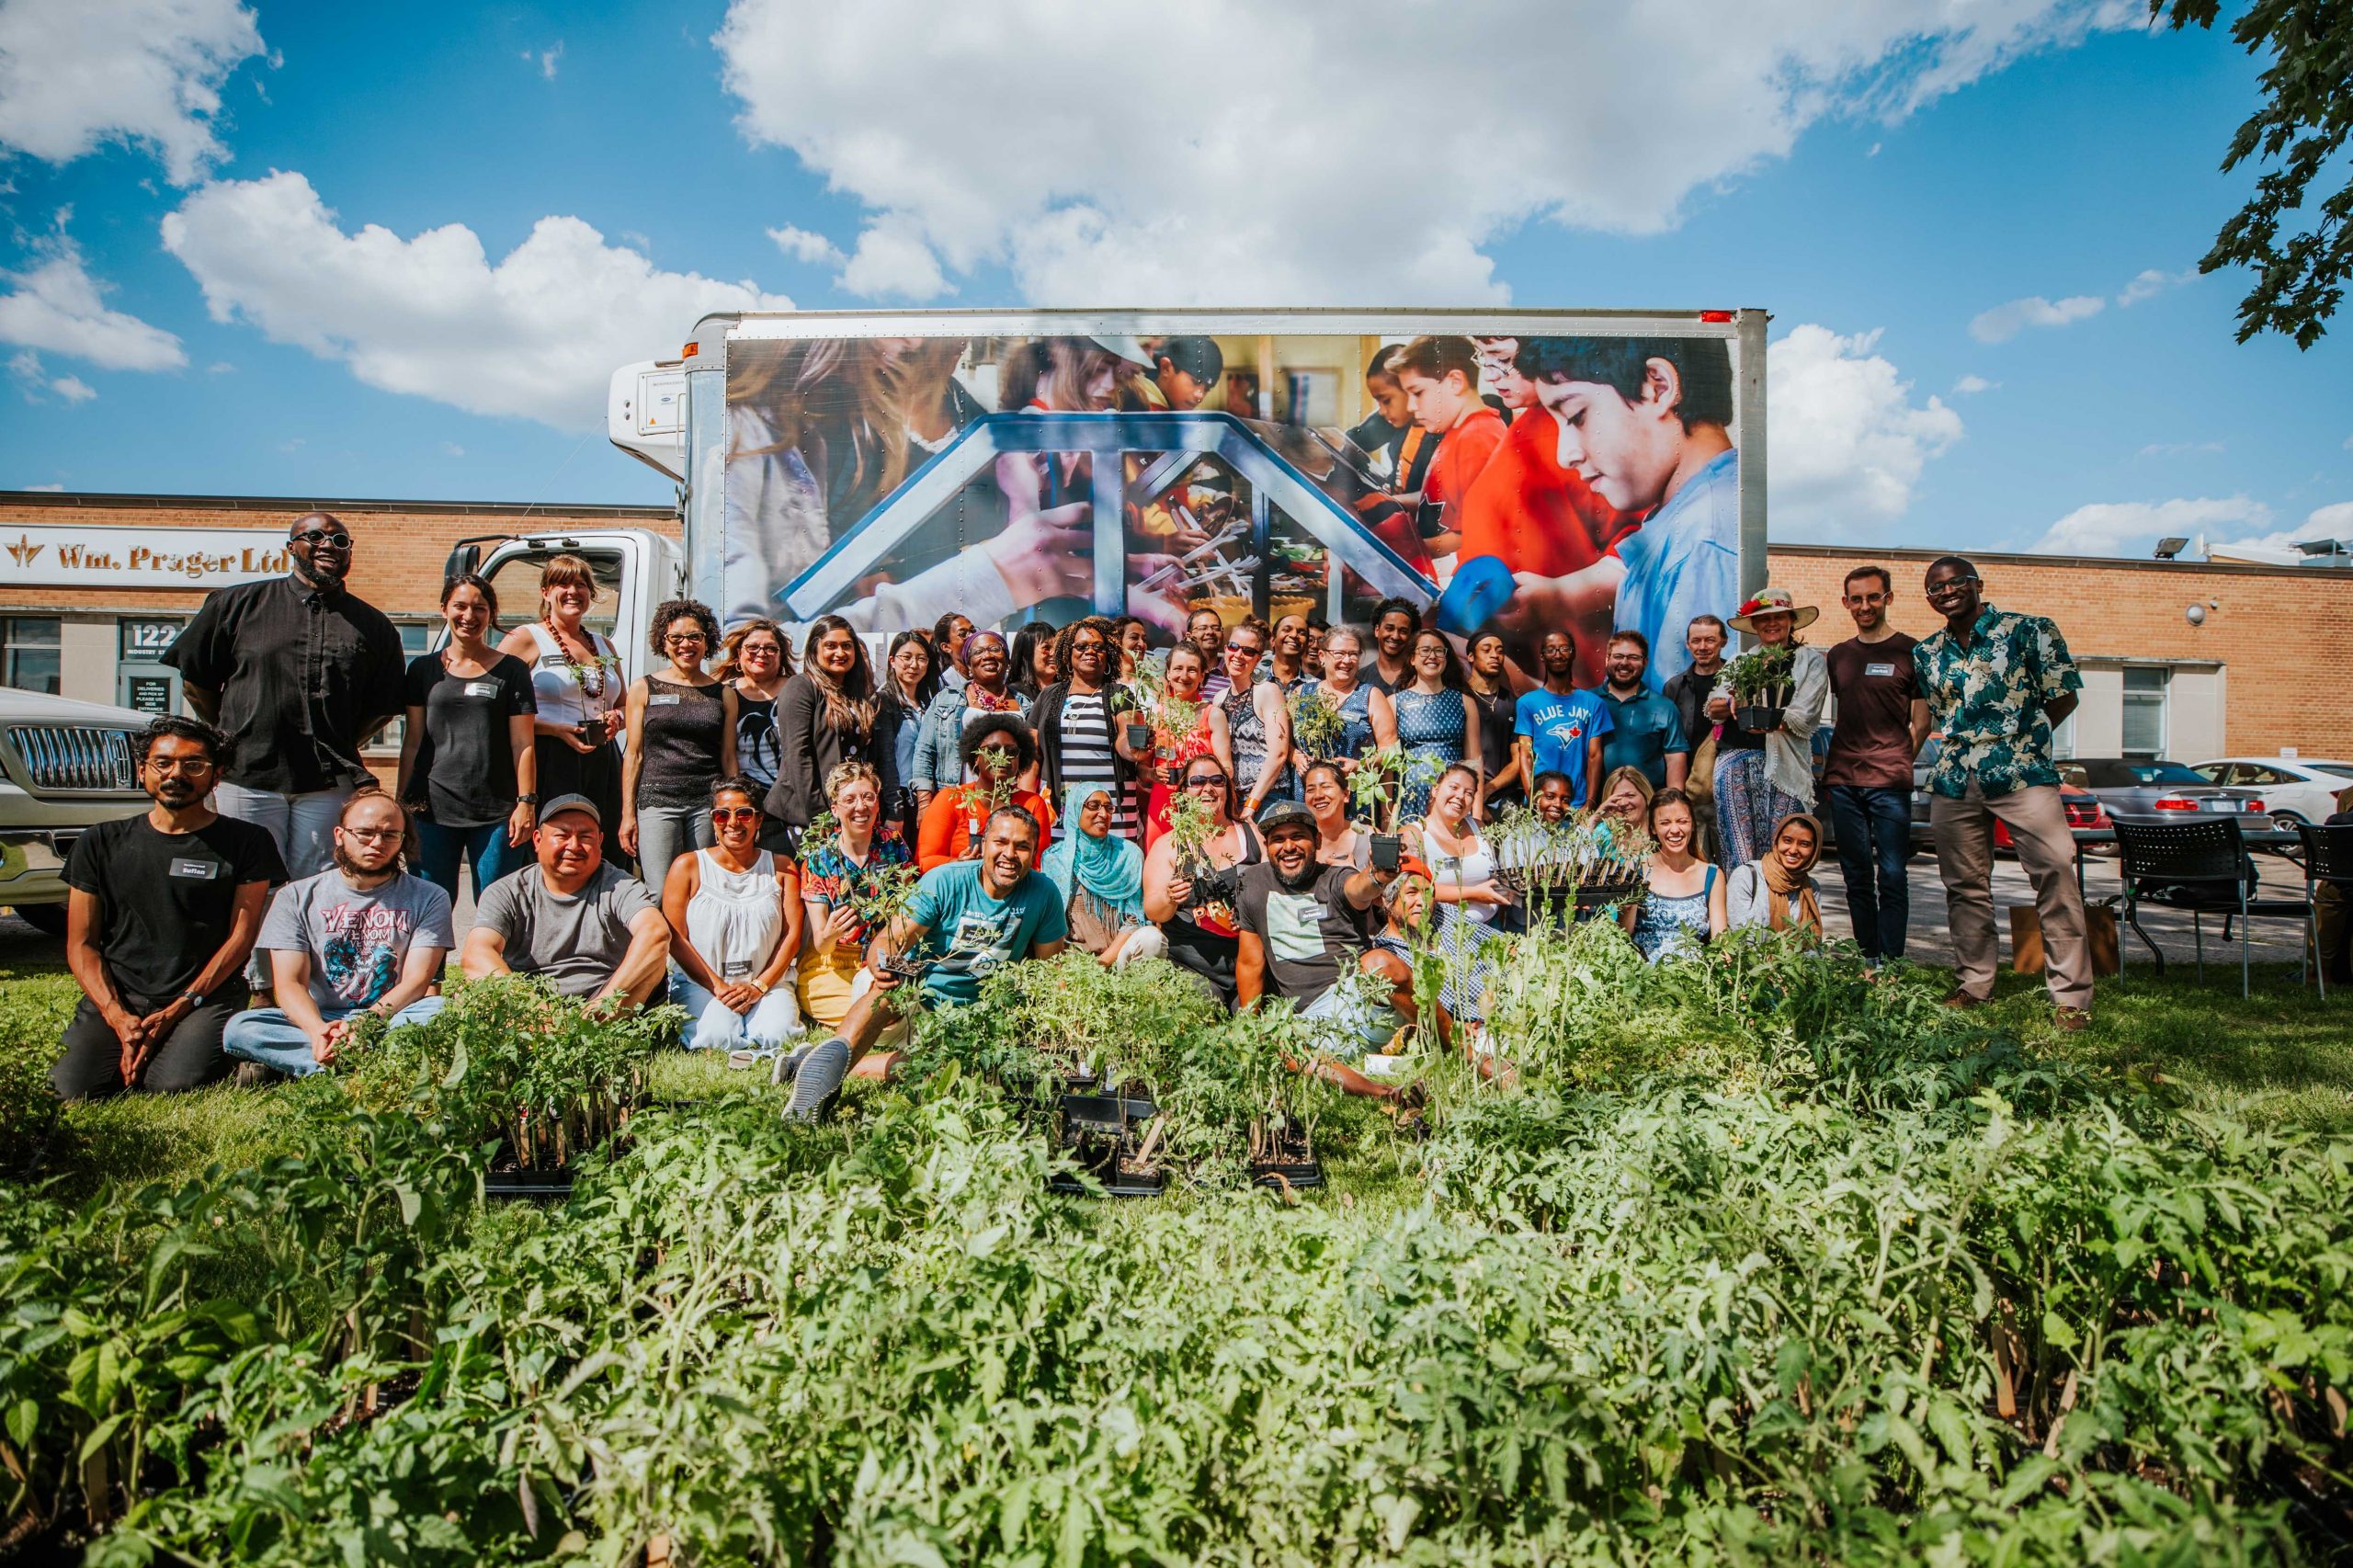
(672, 610)
(1104, 627)
(980, 725)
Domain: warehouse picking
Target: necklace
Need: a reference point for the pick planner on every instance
(590, 676)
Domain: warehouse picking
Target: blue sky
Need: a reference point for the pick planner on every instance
(399, 261)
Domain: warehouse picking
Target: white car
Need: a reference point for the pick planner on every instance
(2294, 789)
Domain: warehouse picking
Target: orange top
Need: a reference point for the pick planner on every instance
(1462, 456)
(952, 824)
(1531, 513)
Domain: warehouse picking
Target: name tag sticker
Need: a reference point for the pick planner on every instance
(196, 870)
(482, 689)
(668, 699)
(1878, 669)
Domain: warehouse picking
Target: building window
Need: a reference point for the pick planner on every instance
(35, 659)
(2144, 710)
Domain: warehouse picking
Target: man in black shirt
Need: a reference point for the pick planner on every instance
(300, 672)
(1704, 640)
(161, 916)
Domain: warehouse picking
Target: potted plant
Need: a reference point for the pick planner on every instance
(1762, 681)
(1376, 785)
(1191, 825)
(1587, 860)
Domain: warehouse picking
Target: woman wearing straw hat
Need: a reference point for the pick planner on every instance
(1764, 776)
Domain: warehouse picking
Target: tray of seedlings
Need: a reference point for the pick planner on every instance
(1585, 861)
(1282, 1155)
(1113, 1137)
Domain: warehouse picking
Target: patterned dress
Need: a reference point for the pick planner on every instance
(1674, 927)
(1747, 805)
(1431, 730)
(1463, 928)
(1249, 736)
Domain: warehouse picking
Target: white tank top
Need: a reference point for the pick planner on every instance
(735, 918)
(561, 695)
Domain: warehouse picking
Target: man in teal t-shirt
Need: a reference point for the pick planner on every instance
(968, 919)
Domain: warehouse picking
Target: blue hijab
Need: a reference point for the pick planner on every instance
(1110, 867)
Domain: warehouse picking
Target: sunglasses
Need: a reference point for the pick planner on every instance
(1244, 648)
(1206, 781)
(725, 814)
(315, 537)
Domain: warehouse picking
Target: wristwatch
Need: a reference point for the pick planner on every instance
(527, 800)
(193, 998)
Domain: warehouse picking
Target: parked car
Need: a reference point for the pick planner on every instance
(2146, 787)
(2083, 808)
(65, 766)
(2294, 789)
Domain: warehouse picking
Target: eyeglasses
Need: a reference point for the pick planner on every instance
(180, 763)
(372, 835)
(734, 813)
(1950, 585)
(1098, 645)
(684, 639)
(315, 537)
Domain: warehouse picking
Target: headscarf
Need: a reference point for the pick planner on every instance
(1785, 882)
(1110, 868)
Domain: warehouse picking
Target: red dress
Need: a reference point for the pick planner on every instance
(1174, 755)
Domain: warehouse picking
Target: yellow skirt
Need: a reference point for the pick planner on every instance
(829, 983)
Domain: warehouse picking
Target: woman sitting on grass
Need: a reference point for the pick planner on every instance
(1101, 878)
(1685, 903)
(1776, 892)
(859, 854)
(734, 913)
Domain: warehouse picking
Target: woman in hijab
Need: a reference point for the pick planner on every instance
(1776, 891)
(1101, 878)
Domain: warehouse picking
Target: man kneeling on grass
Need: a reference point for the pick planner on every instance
(363, 935)
(593, 931)
(1301, 932)
(966, 920)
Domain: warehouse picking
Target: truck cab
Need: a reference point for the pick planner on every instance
(636, 570)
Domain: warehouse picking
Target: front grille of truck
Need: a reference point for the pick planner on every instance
(77, 756)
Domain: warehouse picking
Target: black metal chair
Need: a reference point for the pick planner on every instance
(2202, 866)
(2328, 862)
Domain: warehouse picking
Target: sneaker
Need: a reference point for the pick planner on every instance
(255, 1076)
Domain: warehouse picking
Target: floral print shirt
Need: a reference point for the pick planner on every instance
(1988, 700)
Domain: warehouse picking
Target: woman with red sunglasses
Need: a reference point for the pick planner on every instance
(736, 922)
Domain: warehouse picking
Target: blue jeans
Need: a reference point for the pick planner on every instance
(1873, 827)
(440, 849)
(267, 1036)
(772, 1023)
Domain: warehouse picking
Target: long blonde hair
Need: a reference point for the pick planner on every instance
(845, 388)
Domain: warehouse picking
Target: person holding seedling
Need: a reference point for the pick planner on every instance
(997, 752)
(592, 930)
(1188, 876)
(1185, 724)
(1768, 702)
(736, 922)
(855, 867)
(940, 739)
(1365, 715)
(966, 920)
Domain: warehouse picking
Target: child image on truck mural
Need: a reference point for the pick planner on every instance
(1581, 484)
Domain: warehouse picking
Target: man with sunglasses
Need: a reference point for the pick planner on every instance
(300, 672)
(1996, 684)
(363, 935)
(1867, 781)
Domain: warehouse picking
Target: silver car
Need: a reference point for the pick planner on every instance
(64, 765)
(2167, 791)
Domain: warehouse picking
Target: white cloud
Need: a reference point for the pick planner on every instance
(453, 450)
(34, 380)
(803, 246)
(1082, 146)
(1848, 442)
(1970, 386)
(58, 306)
(2332, 521)
(536, 333)
(893, 260)
(2131, 527)
(218, 368)
(2148, 283)
(2004, 322)
(53, 486)
(75, 74)
(546, 59)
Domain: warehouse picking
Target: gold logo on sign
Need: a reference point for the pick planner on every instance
(25, 551)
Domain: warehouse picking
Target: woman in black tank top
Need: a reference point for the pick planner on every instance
(681, 741)
(1202, 939)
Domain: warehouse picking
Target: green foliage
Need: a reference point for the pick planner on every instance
(1763, 674)
(1317, 725)
(2301, 130)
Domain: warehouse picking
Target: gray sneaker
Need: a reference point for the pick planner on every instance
(255, 1076)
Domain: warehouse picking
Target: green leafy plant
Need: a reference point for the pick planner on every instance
(1317, 725)
(1764, 675)
(1377, 785)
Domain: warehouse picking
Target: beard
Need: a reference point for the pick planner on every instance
(351, 868)
(1301, 882)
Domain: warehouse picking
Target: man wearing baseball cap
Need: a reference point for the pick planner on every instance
(593, 931)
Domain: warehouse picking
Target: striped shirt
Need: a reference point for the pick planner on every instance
(1087, 758)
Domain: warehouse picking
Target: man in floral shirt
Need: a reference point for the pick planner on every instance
(1996, 682)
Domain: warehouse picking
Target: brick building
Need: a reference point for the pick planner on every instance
(93, 586)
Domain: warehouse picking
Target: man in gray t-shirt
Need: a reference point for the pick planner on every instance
(593, 931)
(363, 935)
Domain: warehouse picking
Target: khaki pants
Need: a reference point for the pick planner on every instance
(1963, 831)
